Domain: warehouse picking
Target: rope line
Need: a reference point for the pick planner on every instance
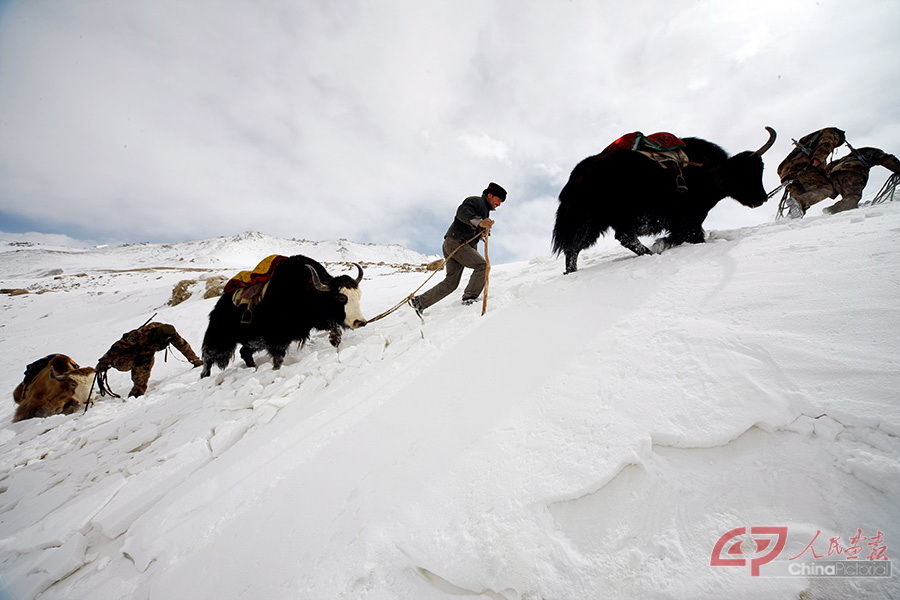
(408, 299)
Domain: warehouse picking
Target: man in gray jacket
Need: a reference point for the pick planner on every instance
(472, 218)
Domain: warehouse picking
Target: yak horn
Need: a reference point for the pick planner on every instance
(358, 277)
(768, 144)
(316, 281)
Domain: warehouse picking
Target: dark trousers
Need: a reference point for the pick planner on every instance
(466, 257)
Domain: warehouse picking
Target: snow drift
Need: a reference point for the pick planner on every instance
(592, 436)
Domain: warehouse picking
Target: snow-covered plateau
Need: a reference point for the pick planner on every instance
(593, 436)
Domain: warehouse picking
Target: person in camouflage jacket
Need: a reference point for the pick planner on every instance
(136, 351)
(850, 174)
(803, 170)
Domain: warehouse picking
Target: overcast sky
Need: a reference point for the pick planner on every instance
(172, 120)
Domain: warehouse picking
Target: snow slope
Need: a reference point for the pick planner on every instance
(592, 436)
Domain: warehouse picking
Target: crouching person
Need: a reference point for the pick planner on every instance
(135, 352)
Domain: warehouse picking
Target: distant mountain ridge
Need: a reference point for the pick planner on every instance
(239, 252)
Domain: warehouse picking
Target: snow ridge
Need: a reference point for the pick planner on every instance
(591, 437)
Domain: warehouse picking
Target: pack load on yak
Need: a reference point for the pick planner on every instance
(655, 142)
(248, 288)
(663, 147)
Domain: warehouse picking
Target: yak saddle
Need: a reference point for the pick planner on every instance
(662, 147)
(248, 288)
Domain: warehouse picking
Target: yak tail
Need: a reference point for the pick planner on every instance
(217, 349)
(577, 225)
(220, 341)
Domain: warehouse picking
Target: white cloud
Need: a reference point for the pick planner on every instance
(179, 120)
(484, 146)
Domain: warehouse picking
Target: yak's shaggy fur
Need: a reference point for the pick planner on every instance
(295, 303)
(633, 195)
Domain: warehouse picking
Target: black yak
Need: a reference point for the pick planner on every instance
(634, 195)
(300, 296)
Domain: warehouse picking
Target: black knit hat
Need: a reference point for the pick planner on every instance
(496, 190)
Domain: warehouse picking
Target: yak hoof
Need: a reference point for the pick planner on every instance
(660, 246)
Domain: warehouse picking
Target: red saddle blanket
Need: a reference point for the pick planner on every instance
(260, 275)
(656, 142)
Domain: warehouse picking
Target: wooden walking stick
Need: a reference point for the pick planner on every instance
(487, 271)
